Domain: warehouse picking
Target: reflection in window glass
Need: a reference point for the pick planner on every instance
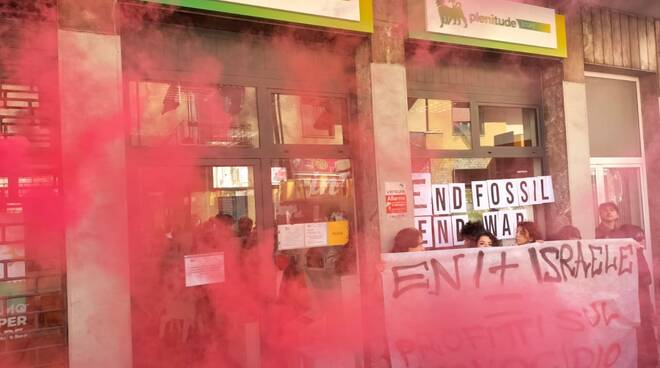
(507, 127)
(439, 124)
(177, 114)
(309, 119)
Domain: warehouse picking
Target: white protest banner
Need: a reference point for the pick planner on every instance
(554, 304)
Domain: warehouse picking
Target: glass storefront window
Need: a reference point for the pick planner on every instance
(185, 215)
(316, 191)
(507, 127)
(164, 113)
(173, 205)
(439, 124)
(309, 119)
(621, 186)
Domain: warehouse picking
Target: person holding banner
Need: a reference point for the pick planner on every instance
(408, 240)
(527, 232)
(471, 232)
(567, 232)
(647, 343)
(486, 240)
(608, 213)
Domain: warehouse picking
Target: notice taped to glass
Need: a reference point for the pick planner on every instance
(396, 203)
(204, 269)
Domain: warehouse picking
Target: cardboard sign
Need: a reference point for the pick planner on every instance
(204, 269)
(554, 304)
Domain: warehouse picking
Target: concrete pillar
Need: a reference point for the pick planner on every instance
(650, 102)
(567, 134)
(577, 127)
(94, 186)
(382, 155)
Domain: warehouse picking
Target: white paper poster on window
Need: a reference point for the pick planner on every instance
(316, 234)
(448, 307)
(341, 9)
(204, 269)
(290, 236)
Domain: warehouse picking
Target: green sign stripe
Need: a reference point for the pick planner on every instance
(533, 26)
(364, 25)
(560, 51)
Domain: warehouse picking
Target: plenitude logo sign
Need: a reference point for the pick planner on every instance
(495, 20)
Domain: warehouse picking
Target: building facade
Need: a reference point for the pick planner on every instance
(130, 125)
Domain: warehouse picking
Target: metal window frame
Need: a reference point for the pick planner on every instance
(260, 158)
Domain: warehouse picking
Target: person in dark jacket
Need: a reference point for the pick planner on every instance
(647, 350)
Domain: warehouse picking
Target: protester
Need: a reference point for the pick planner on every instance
(647, 355)
(487, 239)
(245, 232)
(608, 213)
(527, 232)
(408, 240)
(470, 233)
(568, 232)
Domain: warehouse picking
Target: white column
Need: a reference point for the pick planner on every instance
(578, 157)
(94, 186)
(392, 144)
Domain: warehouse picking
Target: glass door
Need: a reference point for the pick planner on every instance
(196, 246)
(621, 181)
(623, 187)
